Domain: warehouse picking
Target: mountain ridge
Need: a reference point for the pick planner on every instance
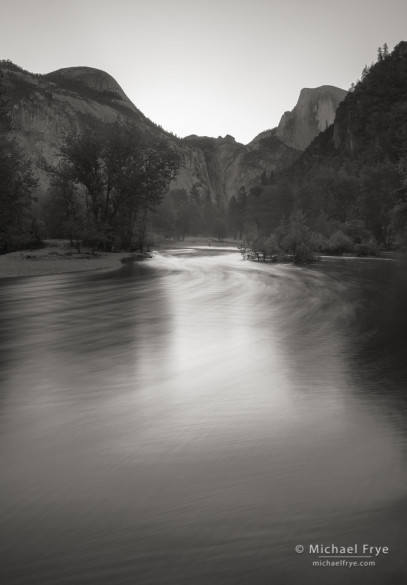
(349, 187)
(45, 108)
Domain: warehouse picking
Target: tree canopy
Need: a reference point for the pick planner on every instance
(108, 179)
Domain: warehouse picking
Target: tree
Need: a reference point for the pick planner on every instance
(63, 208)
(17, 188)
(220, 228)
(236, 213)
(298, 239)
(398, 213)
(375, 201)
(121, 176)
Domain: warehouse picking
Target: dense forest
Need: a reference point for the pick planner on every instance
(348, 191)
(110, 188)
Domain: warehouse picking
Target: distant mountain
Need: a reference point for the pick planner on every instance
(352, 179)
(45, 108)
(370, 125)
(313, 113)
(231, 166)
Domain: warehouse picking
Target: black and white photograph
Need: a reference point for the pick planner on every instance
(203, 292)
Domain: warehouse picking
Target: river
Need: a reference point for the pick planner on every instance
(194, 418)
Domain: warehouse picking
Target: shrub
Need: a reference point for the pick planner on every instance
(367, 249)
(338, 243)
(303, 254)
(318, 242)
(298, 242)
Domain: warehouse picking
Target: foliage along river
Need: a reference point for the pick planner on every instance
(191, 419)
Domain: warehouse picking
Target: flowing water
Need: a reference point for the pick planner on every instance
(192, 419)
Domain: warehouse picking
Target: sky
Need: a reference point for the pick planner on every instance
(206, 67)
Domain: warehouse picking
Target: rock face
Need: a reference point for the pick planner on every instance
(314, 112)
(45, 108)
(219, 167)
(87, 77)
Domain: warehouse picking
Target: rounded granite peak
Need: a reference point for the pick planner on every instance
(94, 79)
(323, 90)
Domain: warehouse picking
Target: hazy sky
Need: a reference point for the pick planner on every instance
(207, 67)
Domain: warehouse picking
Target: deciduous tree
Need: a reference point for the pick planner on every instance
(121, 176)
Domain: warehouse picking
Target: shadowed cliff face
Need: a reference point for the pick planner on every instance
(46, 108)
(228, 165)
(314, 112)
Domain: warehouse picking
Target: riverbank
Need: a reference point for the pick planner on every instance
(198, 242)
(55, 258)
(58, 257)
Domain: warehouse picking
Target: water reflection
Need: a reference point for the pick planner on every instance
(194, 418)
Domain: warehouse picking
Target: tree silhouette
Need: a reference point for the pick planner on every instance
(121, 178)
